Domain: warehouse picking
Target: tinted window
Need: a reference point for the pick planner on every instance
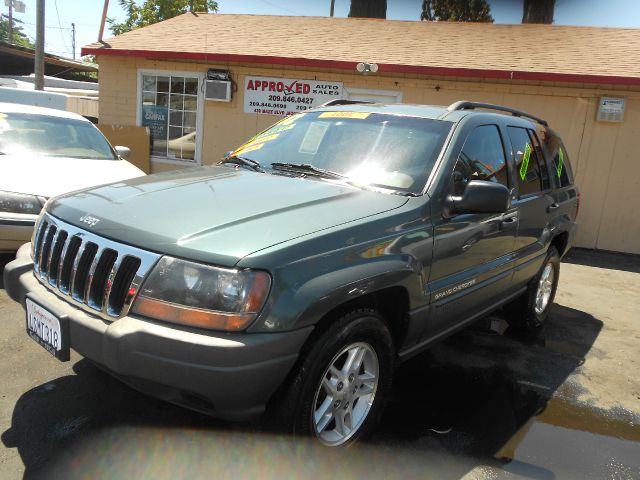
(482, 158)
(561, 169)
(537, 152)
(526, 162)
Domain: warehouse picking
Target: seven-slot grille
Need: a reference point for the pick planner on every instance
(96, 274)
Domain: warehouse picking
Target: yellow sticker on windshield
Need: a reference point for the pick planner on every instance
(3, 115)
(358, 115)
(267, 138)
(248, 148)
(290, 119)
(253, 141)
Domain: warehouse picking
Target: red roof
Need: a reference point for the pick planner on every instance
(518, 52)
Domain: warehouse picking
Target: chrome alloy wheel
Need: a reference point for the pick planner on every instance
(545, 287)
(345, 395)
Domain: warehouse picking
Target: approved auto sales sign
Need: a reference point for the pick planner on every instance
(285, 96)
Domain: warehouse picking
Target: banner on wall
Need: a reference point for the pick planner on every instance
(285, 96)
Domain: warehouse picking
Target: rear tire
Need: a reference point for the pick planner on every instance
(529, 311)
(337, 391)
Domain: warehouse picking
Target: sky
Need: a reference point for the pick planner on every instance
(60, 14)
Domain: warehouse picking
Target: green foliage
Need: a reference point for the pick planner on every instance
(19, 38)
(154, 11)
(456, 10)
(368, 8)
(538, 11)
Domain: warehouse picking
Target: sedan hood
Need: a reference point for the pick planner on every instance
(217, 214)
(48, 176)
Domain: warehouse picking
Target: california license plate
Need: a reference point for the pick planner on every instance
(50, 331)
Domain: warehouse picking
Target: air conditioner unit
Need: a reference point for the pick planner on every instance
(217, 90)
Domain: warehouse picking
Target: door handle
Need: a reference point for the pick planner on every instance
(552, 207)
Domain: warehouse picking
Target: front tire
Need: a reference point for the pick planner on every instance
(337, 392)
(529, 311)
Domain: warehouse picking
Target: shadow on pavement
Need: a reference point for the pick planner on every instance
(4, 259)
(602, 259)
(467, 402)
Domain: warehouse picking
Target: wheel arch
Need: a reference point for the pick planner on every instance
(392, 303)
(561, 242)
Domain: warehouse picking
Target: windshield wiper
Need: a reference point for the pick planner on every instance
(243, 161)
(307, 169)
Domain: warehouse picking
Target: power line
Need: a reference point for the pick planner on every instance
(281, 8)
(55, 2)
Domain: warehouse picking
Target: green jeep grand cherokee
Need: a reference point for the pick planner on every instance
(294, 276)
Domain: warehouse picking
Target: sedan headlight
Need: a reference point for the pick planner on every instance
(19, 203)
(202, 296)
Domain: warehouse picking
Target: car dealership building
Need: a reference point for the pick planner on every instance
(204, 83)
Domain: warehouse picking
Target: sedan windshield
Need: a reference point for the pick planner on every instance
(369, 149)
(49, 136)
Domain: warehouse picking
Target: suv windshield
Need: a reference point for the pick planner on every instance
(48, 136)
(370, 149)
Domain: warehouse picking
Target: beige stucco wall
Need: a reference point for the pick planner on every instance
(603, 155)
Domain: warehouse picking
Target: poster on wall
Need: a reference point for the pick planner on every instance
(286, 96)
(155, 117)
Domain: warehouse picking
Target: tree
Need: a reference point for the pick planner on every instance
(538, 11)
(456, 10)
(368, 8)
(154, 11)
(19, 38)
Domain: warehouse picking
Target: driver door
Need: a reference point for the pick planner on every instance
(472, 262)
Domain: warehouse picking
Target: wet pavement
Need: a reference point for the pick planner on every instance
(486, 403)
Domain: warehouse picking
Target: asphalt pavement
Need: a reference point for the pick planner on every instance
(486, 403)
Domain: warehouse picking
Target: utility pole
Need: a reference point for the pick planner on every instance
(19, 8)
(39, 61)
(333, 4)
(104, 19)
(73, 39)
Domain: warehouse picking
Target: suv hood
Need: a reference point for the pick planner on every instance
(217, 214)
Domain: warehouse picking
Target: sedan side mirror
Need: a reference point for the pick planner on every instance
(480, 196)
(123, 152)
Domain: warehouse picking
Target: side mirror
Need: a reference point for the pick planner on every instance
(123, 152)
(480, 196)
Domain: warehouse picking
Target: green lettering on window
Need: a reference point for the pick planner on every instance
(525, 161)
(560, 161)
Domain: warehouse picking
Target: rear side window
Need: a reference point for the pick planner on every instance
(560, 162)
(482, 158)
(526, 151)
(537, 151)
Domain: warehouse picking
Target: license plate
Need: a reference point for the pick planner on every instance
(50, 331)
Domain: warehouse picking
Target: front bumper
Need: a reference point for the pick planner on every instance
(230, 376)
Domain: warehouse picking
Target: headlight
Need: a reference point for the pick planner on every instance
(202, 296)
(19, 203)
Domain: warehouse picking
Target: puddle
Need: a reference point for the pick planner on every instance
(516, 412)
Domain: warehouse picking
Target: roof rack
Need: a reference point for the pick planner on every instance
(343, 101)
(464, 105)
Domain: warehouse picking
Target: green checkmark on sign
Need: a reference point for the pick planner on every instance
(525, 161)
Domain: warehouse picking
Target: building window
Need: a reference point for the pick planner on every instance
(169, 109)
